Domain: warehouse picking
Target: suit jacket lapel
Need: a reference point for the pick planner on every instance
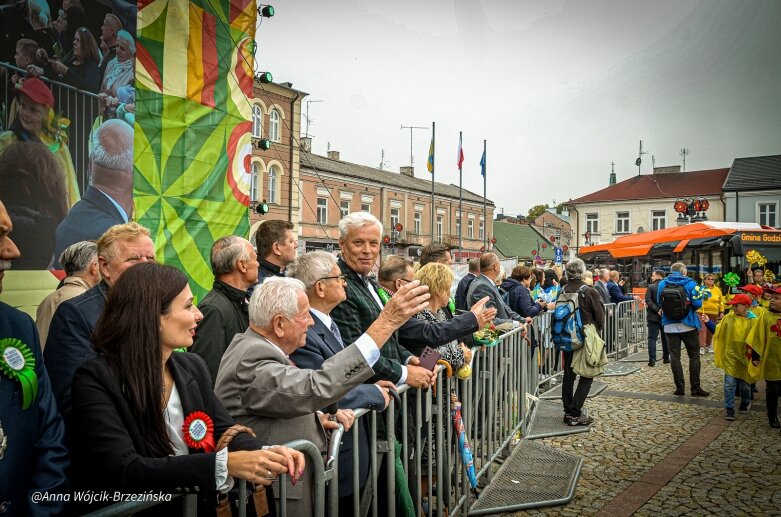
(326, 335)
(188, 390)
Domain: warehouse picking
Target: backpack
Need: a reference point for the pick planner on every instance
(674, 302)
(566, 323)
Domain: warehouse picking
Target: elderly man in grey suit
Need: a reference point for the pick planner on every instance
(262, 388)
(483, 285)
(601, 285)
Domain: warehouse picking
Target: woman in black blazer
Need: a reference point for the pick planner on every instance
(144, 416)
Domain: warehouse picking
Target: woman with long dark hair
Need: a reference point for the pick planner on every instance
(82, 70)
(144, 416)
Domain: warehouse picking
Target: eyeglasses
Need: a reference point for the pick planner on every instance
(342, 278)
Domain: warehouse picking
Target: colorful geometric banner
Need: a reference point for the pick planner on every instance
(192, 139)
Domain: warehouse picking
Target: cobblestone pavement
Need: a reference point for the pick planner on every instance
(737, 473)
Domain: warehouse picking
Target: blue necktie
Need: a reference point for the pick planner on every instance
(335, 332)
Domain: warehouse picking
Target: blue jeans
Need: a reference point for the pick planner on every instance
(654, 329)
(729, 392)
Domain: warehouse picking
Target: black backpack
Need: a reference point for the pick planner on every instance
(674, 302)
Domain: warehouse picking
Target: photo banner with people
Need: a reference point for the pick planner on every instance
(192, 140)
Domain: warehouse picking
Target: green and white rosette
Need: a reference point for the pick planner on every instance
(18, 363)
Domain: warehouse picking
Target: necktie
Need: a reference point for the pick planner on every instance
(335, 332)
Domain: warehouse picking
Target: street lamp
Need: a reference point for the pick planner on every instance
(691, 210)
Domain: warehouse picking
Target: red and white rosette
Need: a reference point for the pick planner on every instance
(198, 431)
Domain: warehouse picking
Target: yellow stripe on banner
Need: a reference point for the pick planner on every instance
(150, 13)
(194, 55)
(177, 27)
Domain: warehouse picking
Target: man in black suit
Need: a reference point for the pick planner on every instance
(324, 284)
(109, 198)
(654, 319)
(463, 284)
(68, 344)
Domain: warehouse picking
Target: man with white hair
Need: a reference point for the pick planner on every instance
(592, 311)
(109, 198)
(601, 285)
(224, 308)
(262, 388)
(80, 262)
(360, 240)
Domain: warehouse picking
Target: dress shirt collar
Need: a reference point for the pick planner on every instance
(325, 318)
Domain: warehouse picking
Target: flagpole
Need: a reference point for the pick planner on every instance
(433, 151)
(485, 217)
(460, 198)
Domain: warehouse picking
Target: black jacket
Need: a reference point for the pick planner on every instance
(225, 314)
(651, 307)
(462, 289)
(520, 299)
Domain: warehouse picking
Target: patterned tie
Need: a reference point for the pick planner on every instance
(335, 332)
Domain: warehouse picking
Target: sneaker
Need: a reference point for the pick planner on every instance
(580, 420)
(744, 408)
(774, 423)
(702, 351)
(709, 349)
(680, 392)
(730, 414)
(700, 393)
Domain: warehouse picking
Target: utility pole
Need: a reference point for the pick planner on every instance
(684, 153)
(382, 161)
(640, 157)
(411, 158)
(306, 132)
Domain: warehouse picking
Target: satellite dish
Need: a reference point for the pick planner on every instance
(638, 162)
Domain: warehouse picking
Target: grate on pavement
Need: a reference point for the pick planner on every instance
(548, 420)
(641, 356)
(534, 476)
(618, 369)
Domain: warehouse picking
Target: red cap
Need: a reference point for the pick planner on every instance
(775, 289)
(740, 299)
(37, 91)
(751, 288)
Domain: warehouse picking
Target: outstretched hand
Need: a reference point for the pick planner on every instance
(484, 314)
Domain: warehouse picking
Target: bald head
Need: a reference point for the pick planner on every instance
(489, 265)
(112, 154)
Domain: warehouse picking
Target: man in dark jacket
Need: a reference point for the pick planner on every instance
(224, 308)
(654, 319)
(592, 311)
(463, 284)
(33, 458)
(600, 284)
(616, 294)
(277, 247)
(685, 330)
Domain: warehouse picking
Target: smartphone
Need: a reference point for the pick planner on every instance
(428, 358)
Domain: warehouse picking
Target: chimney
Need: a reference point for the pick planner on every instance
(306, 144)
(671, 169)
(333, 155)
(407, 170)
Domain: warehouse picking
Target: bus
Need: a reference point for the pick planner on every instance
(705, 247)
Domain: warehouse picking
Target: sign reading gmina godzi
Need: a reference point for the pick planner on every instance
(771, 238)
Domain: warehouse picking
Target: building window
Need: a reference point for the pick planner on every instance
(344, 207)
(592, 223)
(418, 224)
(658, 220)
(322, 210)
(257, 121)
(254, 182)
(470, 228)
(273, 127)
(622, 222)
(273, 179)
(439, 227)
(458, 224)
(366, 207)
(767, 213)
(482, 230)
(394, 218)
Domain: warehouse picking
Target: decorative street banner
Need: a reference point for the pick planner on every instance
(192, 140)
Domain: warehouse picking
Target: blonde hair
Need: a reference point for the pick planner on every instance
(119, 232)
(437, 276)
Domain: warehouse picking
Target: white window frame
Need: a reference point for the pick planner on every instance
(481, 230)
(254, 182)
(759, 213)
(655, 218)
(257, 121)
(395, 217)
(458, 223)
(322, 210)
(273, 186)
(418, 222)
(592, 223)
(470, 228)
(274, 133)
(366, 207)
(440, 225)
(623, 223)
(344, 207)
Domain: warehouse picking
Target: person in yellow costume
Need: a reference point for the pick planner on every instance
(729, 353)
(36, 122)
(713, 306)
(754, 292)
(765, 339)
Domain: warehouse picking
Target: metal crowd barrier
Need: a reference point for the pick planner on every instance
(78, 106)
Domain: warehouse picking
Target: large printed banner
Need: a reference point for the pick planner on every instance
(192, 140)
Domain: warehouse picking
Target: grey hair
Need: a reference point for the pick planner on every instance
(356, 220)
(679, 267)
(575, 269)
(604, 273)
(311, 267)
(276, 296)
(122, 161)
(226, 251)
(77, 257)
(125, 35)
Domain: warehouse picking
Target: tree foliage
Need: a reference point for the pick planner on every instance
(536, 211)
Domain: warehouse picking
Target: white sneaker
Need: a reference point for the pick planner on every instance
(710, 349)
(702, 351)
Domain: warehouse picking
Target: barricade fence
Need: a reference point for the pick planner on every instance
(495, 405)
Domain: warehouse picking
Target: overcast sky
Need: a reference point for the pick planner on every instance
(558, 89)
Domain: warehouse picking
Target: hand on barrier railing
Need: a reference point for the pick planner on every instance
(264, 466)
(346, 417)
(385, 387)
(418, 377)
(394, 394)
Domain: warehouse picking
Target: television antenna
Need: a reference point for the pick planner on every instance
(411, 158)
